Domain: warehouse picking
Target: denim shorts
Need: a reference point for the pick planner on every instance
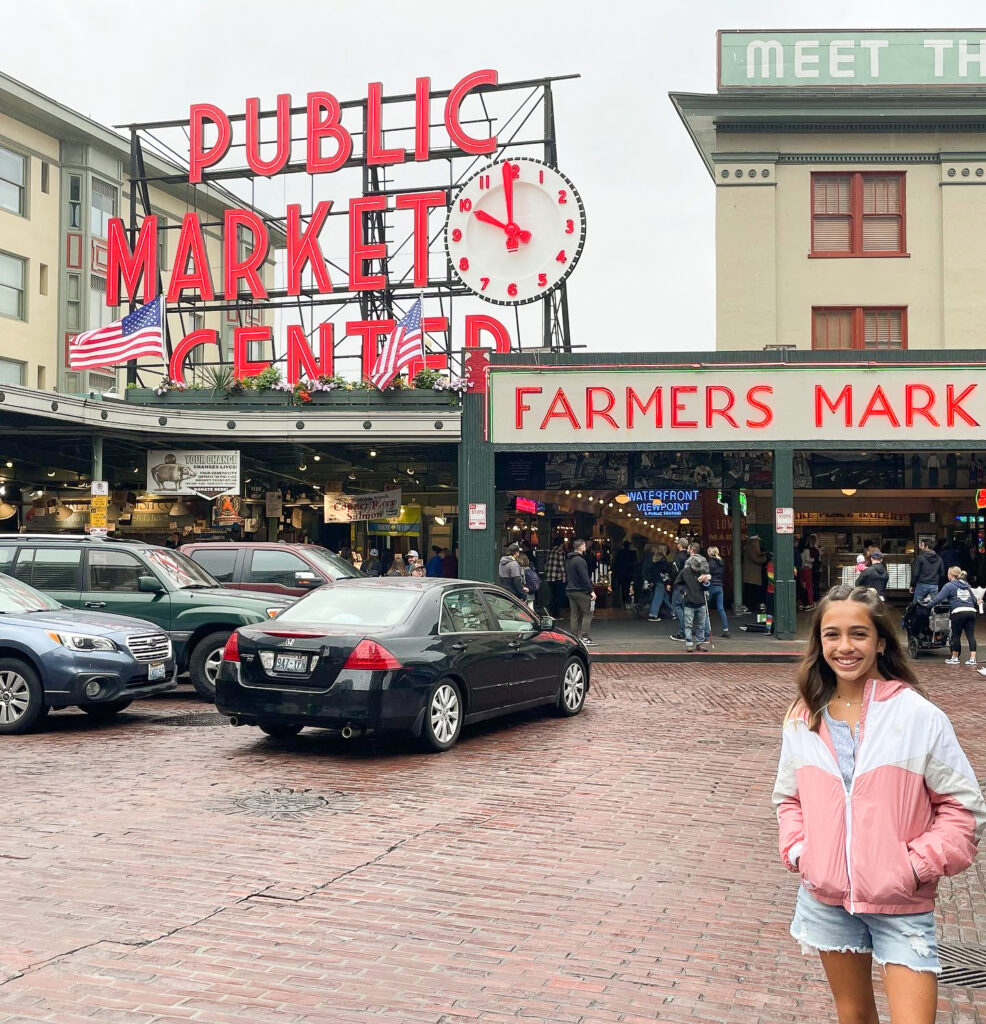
(907, 939)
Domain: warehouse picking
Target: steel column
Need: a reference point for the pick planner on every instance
(477, 548)
(785, 590)
(97, 456)
(736, 515)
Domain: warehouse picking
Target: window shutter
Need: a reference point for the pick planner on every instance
(881, 234)
(832, 328)
(883, 329)
(881, 193)
(831, 234)
(830, 193)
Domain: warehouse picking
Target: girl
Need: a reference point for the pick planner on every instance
(875, 802)
(961, 613)
(717, 570)
(397, 568)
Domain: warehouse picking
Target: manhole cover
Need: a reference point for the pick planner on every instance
(196, 720)
(281, 804)
(962, 965)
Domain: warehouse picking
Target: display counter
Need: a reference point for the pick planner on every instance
(898, 570)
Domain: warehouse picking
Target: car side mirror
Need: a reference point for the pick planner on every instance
(546, 622)
(308, 579)
(150, 585)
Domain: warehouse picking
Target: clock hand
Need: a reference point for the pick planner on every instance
(514, 234)
(487, 219)
(508, 191)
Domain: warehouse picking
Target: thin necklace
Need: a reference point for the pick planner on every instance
(848, 703)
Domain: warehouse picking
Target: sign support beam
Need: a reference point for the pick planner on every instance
(785, 590)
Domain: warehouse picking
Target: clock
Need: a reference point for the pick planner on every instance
(515, 231)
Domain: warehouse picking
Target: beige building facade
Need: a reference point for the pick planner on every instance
(846, 217)
(62, 178)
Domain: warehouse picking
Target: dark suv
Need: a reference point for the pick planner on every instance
(292, 569)
(147, 582)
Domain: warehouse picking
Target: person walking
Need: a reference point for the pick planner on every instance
(372, 566)
(693, 579)
(927, 572)
(623, 567)
(578, 587)
(754, 560)
(962, 608)
(806, 576)
(531, 580)
(554, 575)
(871, 818)
(433, 567)
(875, 575)
(510, 573)
(717, 578)
(678, 592)
(658, 575)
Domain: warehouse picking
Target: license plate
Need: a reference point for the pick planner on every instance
(291, 663)
(155, 671)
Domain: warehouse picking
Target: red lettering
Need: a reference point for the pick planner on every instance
(477, 323)
(422, 118)
(520, 406)
(198, 157)
(370, 331)
(953, 406)
(119, 260)
(711, 410)
(912, 409)
(359, 251)
(299, 354)
(768, 413)
(421, 203)
(373, 143)
(560, 407)
(324, 120)
(844, 398)
(190, 245)
(283, 136)
(302, 248)
(633, 399)
(879, 405)
(242, 365)
(591, 412)
(245, 269)
(459, 138)
(181, 350)
(678, 407)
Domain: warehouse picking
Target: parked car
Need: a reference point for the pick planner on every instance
(55, 657)
(162, 586)
(420, 655)
(291, 569)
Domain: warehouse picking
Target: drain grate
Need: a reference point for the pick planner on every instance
(195, 720)
(962, 965)
(283, 803)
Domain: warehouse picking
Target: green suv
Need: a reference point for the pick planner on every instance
(148, 582)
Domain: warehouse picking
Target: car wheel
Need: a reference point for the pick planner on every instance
(277, 731)
(107, 710)
(443, 716)
(22, 700)
(573, 688)
(913, 647)
(203, 665)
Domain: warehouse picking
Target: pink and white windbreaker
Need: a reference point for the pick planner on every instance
(914, 806)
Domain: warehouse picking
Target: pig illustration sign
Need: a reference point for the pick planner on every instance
(205, 473)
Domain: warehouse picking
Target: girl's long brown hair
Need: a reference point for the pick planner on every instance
(816, 681)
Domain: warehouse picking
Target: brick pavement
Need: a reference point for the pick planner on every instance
(617, 867)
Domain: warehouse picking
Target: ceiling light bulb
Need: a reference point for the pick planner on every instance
(568, 492)
(317, 458)
(10, 465)
(303, 467)
(579, 495)
(410, 471)
(373, 454)
(352, 475)
(622, 499)
(51, 472)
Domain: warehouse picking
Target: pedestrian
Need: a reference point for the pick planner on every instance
(860, 564)
(806, 577)
(531, 580)
(510, 573)
(554, 575)
(418, 569)
(397, 566)
(372, 565)
(927, 572)
(433, 567)
(816, 565)
(872, 820)
(875, 575)
(578, 587)
(754, 560)
(678, 592)
(450, 565)
(694, 579)
(658, 574)
(173, 541)
(717, 578)
(962, 607)
(410, 560)
(623, 566)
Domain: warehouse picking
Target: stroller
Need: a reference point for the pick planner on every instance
(928, 627)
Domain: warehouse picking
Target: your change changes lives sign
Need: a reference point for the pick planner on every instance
(206, 473)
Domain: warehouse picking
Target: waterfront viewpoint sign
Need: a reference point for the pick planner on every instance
(800, 57)
(656, 405)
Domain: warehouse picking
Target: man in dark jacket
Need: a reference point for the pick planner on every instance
(927, 572)
(433, 567)
(511, 574)
(578, 587)
(372, 565)
(693, 580)
(677, 591)
(875, 575)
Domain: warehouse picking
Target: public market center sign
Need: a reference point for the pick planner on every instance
(735, 406)
(799, 57)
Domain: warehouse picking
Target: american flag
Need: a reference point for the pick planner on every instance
(140, 333)
(405, 344)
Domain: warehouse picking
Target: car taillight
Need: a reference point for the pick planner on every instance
(231, 652)
(369, 656)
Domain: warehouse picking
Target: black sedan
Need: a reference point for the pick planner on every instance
(423, 656)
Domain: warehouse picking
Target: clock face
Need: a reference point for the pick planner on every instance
(515, 231)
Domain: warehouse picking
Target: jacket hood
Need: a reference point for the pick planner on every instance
(928, 556)
(880, 689)
(880, 569)
(506, 558)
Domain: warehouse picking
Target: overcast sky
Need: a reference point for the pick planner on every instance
(646, 279)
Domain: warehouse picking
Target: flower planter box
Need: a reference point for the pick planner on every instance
(340, 399)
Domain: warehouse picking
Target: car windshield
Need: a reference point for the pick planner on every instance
(352, 606)
(336, 567)
(17, 598)
(180, 569)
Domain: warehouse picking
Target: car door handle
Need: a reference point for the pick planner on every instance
(95, 604)
(460, 645)
(514, 644)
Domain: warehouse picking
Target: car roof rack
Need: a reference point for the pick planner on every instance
(76, 538)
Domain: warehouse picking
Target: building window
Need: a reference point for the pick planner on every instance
(857, 327)
(13, 179)
(11, 371)
(41, 378)
(73, 304)
(857, 214)
(99, 313)
(43, 278)
(13, 272)
(102, 207)
(45, 177)
(75, 202)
